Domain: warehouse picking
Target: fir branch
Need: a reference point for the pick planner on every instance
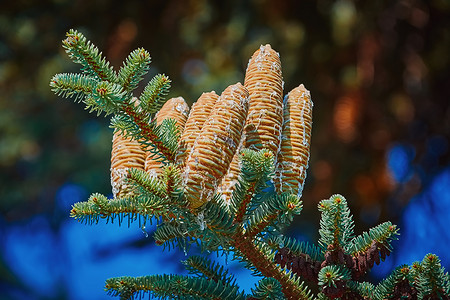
(85, 53)
(268, 289)
(217, 218)
(146, 184)
(153, 96)
(148, 132)
(180, 233)
(432, 281)
(365, 290)
(277, 211)
(296, 248)
(205, 268)
(398, 285)
(106, 97)
(171, 286)
(133, 70)
(332, 280)
(133, 208)
(68, 85)
(172, 181)
(336, 224)
(292, 289)
(301, 264)
(383, 234)
(257, 168)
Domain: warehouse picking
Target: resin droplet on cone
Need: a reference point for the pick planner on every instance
(216, 145)
(174, 108)
(264, 82)
(292, 160)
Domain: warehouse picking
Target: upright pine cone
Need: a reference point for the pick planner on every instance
(292, 161)
(200, 111)
(264, 82)
(174, 108)
(125, 154)
(230, 179)
(216, 145)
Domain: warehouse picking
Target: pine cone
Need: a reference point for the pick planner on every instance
(264, 83)
(199, 113)
(126, 153)
(292, 161)
(216, 145)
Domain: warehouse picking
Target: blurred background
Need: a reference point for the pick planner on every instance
(378, 72)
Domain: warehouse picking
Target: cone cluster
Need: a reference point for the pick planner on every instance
(217, 128)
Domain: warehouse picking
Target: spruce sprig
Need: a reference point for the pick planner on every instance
(83, 52)
(68, 85)
(267, 289)
(172, 286)
(336, 224)
(203, 267)
(257, 169)
(134, 69)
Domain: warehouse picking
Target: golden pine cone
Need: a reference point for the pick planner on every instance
(200, 111)
(125, 154)
(216, 145)
(264, 82)
(292, 161)
(230, 179)
(174, 108)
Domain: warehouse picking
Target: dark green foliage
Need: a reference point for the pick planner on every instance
(382, 234)
(203, 267)
(134, 69)
(277, 211)
(432, 281)
(172, 286)
(73, 85)
(153, 96)
(336, 224)
(83, 52)
(333, 276)
(268, 288)
(257, 169)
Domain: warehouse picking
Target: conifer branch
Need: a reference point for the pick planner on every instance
(170, 286)
(203, 267)
(257, 168)
(336, 224)
(278, 211)
(147, 132)
(144, 183)
(67, 85)
(182, 196)
(256, 257)
(133, 208)
(432, 281)
(332, 280)
(268, 288)
(153, 96)
(133, 70)
(83, 52)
